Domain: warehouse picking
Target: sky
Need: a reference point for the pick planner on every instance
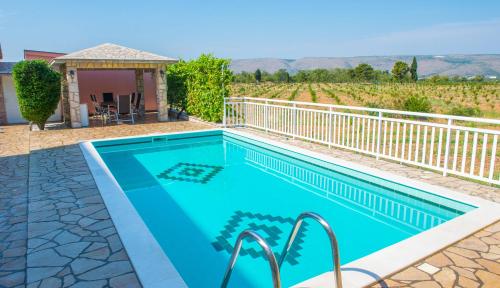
(254, 29)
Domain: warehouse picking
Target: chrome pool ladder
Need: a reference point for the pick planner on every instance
(275, 266)
(267, 250)
(331, 236)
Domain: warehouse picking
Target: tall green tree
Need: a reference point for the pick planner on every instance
(364, 72)
(282, 76)
(400, 71)
(413, 69)
(38, 90)
(258, 75)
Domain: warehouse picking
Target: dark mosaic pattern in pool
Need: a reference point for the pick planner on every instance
(268, 224)
(189, 172)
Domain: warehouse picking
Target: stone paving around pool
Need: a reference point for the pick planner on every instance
(55, 230)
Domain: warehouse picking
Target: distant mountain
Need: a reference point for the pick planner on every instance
(461, 65)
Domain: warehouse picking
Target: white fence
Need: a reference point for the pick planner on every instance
(462, 146)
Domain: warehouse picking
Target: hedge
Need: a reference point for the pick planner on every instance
(199, 86)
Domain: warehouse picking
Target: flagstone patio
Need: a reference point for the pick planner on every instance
(56, 232)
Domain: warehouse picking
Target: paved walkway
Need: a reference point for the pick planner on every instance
(56, 232)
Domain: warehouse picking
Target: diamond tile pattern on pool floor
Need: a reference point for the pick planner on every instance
(268, 227)
(189, 172)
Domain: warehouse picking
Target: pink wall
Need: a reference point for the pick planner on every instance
(119, 82)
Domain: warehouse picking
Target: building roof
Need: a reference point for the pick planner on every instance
(6, 67)
(113, 52)
(41, 55)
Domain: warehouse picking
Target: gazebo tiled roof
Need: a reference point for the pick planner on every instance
(114, 53)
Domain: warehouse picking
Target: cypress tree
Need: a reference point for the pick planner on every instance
(413, 69)
(258, 75)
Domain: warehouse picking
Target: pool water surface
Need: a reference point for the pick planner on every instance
(196, 192)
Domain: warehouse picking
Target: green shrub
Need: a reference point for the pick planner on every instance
(417, 103)
(38, 90)
(199, 86)
(460, 110)
(177, 76)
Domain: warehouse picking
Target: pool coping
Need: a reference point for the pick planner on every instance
(155, 269)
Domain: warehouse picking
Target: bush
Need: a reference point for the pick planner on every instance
(416, 103)
(177, 91)
(199, 86)
(466, 111)
(38, 90)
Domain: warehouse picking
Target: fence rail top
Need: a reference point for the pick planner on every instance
(366, 109)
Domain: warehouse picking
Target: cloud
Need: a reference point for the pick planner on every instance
(450, 38)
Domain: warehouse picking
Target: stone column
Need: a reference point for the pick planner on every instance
(161, 94)
(139, 84)
(3, 112)
(73, 97)
(65, 96)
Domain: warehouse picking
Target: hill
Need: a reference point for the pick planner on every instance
(460, 65)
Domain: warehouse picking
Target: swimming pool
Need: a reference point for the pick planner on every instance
(196, 192)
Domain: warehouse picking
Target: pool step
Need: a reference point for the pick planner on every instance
(274, 265)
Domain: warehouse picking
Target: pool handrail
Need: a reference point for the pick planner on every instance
(269, 254)
(331, 236)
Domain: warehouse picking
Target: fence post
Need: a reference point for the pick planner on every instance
(447, 148)
(244, 112)
(294, 122)
(378, 133)
(266, 110)
(224, 124)
(329, 127)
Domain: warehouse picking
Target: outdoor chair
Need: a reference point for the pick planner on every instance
(124, 110)
(99, 110)
(107, 97)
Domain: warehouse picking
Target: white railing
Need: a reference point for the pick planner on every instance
(458, 145)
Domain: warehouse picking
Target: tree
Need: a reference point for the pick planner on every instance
(413, 69)
(38, 90)
(258, 75)
(364, 72)
(282, 76)
(400, 71)
(199, 86)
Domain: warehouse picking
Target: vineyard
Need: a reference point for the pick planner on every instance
(466, 99)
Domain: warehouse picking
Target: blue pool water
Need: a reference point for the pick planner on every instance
(197, 191)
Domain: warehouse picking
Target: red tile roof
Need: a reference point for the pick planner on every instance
(41, 55)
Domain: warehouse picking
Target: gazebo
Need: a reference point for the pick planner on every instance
(110, 57)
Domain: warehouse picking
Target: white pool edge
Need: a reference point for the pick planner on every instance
(155, 269)
(152, 266)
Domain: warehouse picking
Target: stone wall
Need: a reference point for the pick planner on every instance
(65, 96)
(73, 97)
(161, 95)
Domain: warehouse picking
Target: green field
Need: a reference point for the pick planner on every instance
(468, 99)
